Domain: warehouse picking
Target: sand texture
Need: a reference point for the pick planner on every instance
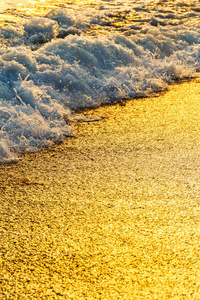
(111, 213)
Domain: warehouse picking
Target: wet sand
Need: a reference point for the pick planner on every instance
(112, 213)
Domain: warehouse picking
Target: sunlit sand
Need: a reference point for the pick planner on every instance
(112, 213)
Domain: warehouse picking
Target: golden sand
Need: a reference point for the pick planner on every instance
(112, 213)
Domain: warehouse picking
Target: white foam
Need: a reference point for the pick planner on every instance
(40, 30)
(40, 89)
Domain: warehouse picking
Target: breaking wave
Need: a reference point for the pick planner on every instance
(50, 68)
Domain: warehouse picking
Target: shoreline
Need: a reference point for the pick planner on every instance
(91, 110)
(111, 213)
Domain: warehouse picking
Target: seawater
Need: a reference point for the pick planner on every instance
(59, 57)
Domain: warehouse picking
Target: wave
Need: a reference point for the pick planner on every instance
(49, 69)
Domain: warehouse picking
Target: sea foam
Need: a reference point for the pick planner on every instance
(44, 78)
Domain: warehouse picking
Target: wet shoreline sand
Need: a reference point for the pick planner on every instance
(112, 213)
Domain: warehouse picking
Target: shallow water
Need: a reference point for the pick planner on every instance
(56, 58)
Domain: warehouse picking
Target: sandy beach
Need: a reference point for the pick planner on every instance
(111, 213)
